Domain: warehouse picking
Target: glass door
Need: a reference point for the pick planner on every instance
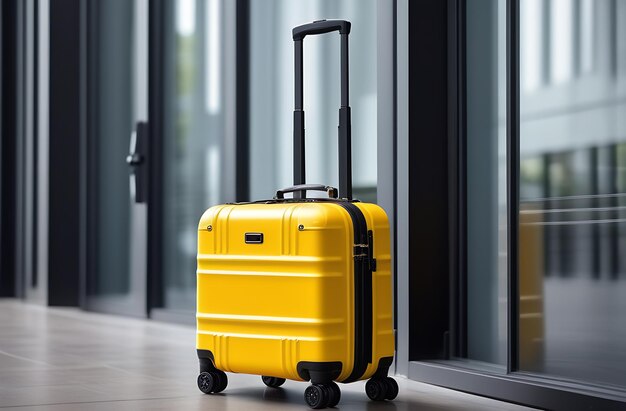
(196, 131)
(117, 110)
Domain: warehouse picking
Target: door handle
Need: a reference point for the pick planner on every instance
(136, 160)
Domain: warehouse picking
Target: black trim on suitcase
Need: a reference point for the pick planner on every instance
(383, 367)
(363, 327)
(207, 361)
(319, 372)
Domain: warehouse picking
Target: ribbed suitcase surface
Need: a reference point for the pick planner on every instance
(264, 307)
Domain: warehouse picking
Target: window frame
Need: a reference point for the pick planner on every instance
(414, 360)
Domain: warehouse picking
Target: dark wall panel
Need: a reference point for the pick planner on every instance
(8, 27)
(63, 263)
(428, 179)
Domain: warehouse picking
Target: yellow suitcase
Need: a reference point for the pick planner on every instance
(298, 288)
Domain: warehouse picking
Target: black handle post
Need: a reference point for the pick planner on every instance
(345, 127)
(298, 122)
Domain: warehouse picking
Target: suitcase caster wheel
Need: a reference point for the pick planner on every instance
(335, 394)
(316, 396)
(272, 382)
(392, 388)
(206, 382)
(212, 382)
(376, 389)
(222, 381)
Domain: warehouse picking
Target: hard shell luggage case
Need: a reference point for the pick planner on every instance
(298, 288)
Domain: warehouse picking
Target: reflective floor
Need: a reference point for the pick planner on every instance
(67, 359)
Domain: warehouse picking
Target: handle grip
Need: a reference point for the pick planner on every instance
(321, 27)
(332, 191)
(137, 160)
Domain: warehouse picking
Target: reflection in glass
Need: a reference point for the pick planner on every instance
(486, 182)
(573, 193)
(271, 94)
(113, 122)
(193, 139)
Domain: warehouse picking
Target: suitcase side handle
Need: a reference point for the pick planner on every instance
(345, 127)
(332, 191)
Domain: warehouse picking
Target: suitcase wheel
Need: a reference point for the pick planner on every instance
(322, 395)
(272, 382)
(336, 395)
(212, 382)
(392, 388)
(379, 389)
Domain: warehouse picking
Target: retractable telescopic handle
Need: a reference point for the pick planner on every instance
(345, 156)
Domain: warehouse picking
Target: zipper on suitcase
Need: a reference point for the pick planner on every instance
(364, 264)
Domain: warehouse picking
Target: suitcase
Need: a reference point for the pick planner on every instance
(299, 288)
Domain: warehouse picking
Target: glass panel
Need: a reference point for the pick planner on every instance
(114, 126)
(486, 181)
(193, 138)
(573, 189)
(113, 284)
(272, 90)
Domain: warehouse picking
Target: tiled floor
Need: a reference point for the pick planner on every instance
(67, 359)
